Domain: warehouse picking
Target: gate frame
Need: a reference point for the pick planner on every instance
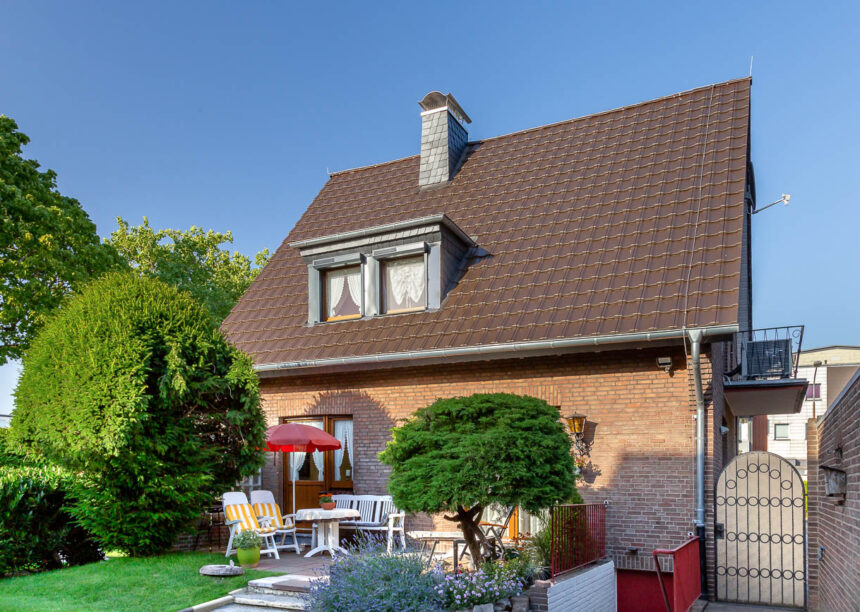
(805, 527)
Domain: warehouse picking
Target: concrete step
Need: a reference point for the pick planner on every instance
(275, 585)
(281, 601)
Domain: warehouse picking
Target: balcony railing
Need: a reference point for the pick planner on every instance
(765, 354)
(578, 536)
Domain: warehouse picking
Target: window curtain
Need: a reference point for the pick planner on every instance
(406, 280)
(297, 460)
(353, 283)
(343, 432)
(340, 281)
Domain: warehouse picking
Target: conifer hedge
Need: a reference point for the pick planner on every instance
(131, 386)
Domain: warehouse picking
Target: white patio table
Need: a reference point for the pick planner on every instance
(328, 530)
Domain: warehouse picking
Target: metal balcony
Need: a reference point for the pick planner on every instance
(764, 378)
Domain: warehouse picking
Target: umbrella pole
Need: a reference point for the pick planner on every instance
(294, 482)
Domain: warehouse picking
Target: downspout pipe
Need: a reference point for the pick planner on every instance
(696, 357)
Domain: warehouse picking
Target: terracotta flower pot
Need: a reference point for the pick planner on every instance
(248, 557)
(328, 505)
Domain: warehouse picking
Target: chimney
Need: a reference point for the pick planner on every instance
(443, 138)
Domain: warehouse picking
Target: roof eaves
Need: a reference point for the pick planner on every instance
(499, 351)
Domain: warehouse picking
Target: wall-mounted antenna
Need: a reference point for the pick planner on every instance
(751, 60)
(783, 200)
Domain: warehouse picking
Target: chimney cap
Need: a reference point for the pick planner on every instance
(436, 99)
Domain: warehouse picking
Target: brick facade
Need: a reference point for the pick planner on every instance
(640, 422)
(834, 523)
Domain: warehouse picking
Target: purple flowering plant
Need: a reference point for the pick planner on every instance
(482, 586)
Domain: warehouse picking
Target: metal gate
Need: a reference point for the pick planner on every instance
(760, 532)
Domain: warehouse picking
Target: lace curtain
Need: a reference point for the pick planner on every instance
(297, 460)
(343, 432)
(348, 279)
(405, 283)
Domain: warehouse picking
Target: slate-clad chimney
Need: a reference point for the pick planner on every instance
(443, 138)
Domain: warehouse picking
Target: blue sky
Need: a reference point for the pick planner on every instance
(227, 115)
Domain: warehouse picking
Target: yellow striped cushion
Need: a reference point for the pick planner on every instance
(244, 513)
(274, 511)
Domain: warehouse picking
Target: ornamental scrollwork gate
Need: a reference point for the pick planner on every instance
(760, 532)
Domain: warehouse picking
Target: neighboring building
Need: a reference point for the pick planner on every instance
(836, 366)
(601, 264)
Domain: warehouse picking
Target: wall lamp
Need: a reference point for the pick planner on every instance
(665, 363)
(576, 425)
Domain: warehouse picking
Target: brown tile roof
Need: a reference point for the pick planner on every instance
(613, 223)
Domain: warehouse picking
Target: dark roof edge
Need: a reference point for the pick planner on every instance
(388, 227)
(498, 351)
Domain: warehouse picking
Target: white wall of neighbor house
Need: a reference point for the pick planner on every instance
(591, 589)
(786, 433)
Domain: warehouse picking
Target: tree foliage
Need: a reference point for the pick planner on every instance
(36, 530)
(191, 260)
(48, 244)
(460, 455)
(132, 385)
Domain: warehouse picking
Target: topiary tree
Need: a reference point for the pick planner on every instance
(131, 385)
(460, 455)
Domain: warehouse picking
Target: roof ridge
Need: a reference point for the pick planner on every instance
(614, 110)
(557, 123)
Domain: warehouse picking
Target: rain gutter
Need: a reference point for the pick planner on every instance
(513, 349)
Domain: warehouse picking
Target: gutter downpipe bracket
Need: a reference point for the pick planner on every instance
(696, 355)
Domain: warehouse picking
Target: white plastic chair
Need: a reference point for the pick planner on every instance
(239, 516)
(265, 505)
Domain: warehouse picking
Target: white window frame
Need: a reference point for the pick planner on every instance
(253, 482)
(787, 435)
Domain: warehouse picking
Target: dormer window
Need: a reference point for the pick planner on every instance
(401, 267)
(342, 293)
(404, 284)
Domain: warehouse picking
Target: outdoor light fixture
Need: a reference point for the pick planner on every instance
(665, 363)
(576, 425)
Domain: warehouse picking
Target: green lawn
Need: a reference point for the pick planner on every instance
(167, 582)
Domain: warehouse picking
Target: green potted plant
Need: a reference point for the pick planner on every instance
(248, 548)
(326, 502)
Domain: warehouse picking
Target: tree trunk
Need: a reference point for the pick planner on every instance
(475, 540)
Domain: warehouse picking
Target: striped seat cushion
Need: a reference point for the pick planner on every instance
(244, 513)
(274, 511)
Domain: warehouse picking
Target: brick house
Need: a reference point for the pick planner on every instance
(600, 263)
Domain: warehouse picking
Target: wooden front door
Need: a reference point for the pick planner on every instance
(319, 471)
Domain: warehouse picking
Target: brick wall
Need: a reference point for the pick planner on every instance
(639, 421)
(834, 523)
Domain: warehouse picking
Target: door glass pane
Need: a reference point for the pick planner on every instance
(343, 455)
(404, 285)
(343, 292)
(308, 466)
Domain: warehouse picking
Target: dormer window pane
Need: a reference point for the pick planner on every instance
(404, 285)
(342, 289)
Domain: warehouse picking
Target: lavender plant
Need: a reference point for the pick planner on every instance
(487, 585)
(370, 579)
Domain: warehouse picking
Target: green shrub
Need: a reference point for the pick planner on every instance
(462, 454)
(131, 385)
(247, 539)
(36, 532)
(373, 580)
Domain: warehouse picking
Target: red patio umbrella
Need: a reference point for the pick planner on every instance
(299, 438)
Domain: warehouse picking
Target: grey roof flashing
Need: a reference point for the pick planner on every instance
(444, 220)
